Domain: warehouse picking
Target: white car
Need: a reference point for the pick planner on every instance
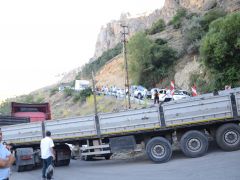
(120, 92)
(161, 93)
(181, 94)
(140, 92)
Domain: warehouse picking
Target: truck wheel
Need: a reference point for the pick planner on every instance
(194, 144)
(159, 150)
(139, 96)
(228, 137)
(66, 162)
(19, 168)
(107, 157)
(86, 158)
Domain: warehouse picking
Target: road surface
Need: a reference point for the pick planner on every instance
(215, 165)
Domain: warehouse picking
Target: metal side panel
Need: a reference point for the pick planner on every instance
(198, 109)
(71, 127)
(131, 120)
(237, 96)
(22, 133)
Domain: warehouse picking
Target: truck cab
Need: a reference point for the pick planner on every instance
(36, 111)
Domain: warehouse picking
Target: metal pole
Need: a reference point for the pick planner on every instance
(126, 64)
(95, 108)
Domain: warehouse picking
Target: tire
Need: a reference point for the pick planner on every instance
(159, 150)
(194, 144)
(86, 158)
(66, 162)
(19, 168)
(139, 96)
(228, 137)
(107, 157)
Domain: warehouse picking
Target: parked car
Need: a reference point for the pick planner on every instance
(161, 93)
(181, 94)
(140, 92)
(120, 92)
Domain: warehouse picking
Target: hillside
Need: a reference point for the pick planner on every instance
(180, 33)
(112, 73)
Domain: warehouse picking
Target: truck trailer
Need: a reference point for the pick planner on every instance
(190, 122)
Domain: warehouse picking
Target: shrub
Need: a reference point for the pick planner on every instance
(202, 85)
(157, 27)
(82, 95)
(211, 16)
(5, 107)
(193, 33)
(53, 91)
(68, 92)
(220, 50)
(177, 19)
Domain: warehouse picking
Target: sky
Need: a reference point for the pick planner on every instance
(42, 39)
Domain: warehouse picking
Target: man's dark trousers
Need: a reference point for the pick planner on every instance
(46, 163)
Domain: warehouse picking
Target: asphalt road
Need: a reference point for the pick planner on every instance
(215, 165)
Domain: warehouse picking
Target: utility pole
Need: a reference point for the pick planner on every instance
(95, 107)
(126, 84)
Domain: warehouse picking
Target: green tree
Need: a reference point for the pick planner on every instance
(220, 50)
(157, 27)
(149, 61)
(139, 48)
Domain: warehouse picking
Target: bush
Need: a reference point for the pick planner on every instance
(211, 16)
(177, 19)
(202, 85)
(68, 92)
(82, 95)
(157, 27)
(193, 33)
(220, 50)
(5, 107)
(53, 91)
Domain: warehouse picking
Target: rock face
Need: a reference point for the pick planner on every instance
(185, 67)
(204, 5)
(174, 37)
(110, 34)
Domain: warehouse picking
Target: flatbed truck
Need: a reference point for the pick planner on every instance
(191, 122)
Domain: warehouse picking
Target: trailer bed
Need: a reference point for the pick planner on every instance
(206, 109)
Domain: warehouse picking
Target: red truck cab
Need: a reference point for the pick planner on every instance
(36, 111)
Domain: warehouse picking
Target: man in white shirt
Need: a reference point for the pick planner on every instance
(47, 152)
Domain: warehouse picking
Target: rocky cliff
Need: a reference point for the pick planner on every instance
(110, 34)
